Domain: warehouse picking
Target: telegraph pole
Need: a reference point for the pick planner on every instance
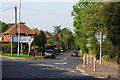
(15, 14)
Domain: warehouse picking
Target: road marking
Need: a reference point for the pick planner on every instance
(65, 57)
(61, 63)
(68, 69)
(72, 71)
(80, 69)
(83, 72)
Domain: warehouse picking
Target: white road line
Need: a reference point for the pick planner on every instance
(83, 72)
(61, 63)
(72, 71)
(65, 57)
(80, 69)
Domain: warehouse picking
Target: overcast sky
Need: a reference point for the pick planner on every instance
(41, 15)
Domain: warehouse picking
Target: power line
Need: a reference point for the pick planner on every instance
(41, 11)
(7, 9)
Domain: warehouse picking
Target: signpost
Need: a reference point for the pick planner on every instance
(100, 37)
(22, 39)
(29, 44)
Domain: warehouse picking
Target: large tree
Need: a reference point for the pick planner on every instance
(90, 18)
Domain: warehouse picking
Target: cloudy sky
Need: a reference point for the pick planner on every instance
(41, 14)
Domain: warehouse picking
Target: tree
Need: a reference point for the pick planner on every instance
(40, 41)
(63, 39)
(90, 18)
(68, 38)
(5, 26)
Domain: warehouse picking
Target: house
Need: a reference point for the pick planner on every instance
(35, 30)
(24, 31)
(13, 31)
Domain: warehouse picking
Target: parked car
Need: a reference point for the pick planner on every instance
(49, 54)
(74, 53)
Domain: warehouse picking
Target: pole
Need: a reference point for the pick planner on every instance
(84, 60)
(100, 48)
(21, 48)
(16, 25)
(11, 46)
(94, 63)
(19, 29)
(15, 14)
(29, 44)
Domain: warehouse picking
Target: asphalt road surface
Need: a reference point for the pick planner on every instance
(62, 67)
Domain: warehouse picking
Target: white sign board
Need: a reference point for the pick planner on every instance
(100, 37)
(23, 39)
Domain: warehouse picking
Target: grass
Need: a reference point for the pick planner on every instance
(20, 56)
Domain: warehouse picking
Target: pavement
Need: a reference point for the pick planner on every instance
(106, 70)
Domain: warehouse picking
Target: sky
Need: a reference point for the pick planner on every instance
(40, 14)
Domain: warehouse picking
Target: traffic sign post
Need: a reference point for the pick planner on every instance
(22, 39)
(100, 37)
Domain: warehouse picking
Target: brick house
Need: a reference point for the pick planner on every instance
(24, 31)
(35, 30)
(13, 31)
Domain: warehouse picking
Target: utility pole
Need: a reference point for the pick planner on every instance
(15, 19)
(15, 14)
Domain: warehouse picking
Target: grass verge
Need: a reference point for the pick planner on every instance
(20, 56)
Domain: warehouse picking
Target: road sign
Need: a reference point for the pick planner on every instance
(100, 37)
(23, 39)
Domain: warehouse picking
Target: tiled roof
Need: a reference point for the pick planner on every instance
(23, 29)
(35, 30)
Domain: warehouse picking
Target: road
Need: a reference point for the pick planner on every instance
(62, 67)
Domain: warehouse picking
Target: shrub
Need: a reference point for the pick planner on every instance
(107, 58)
(6, 48)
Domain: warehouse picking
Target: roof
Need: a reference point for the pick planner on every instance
(35, 30)
(23, 29)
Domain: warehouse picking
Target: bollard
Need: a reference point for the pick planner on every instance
(87, 59)
(84, 60)
(94, 63)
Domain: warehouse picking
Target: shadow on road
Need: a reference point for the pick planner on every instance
(18, 69)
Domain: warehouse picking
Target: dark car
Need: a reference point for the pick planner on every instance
(49, 54)
(74, 53)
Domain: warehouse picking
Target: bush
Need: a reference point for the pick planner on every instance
(6, 48)
(107, 58)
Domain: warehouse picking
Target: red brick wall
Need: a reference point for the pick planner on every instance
(5, 37)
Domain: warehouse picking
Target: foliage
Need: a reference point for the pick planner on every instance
(6, 48)
(40, 41)
(68, 38)
(90, 18)
(49, 33)
(63, 39)
(5, 26)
